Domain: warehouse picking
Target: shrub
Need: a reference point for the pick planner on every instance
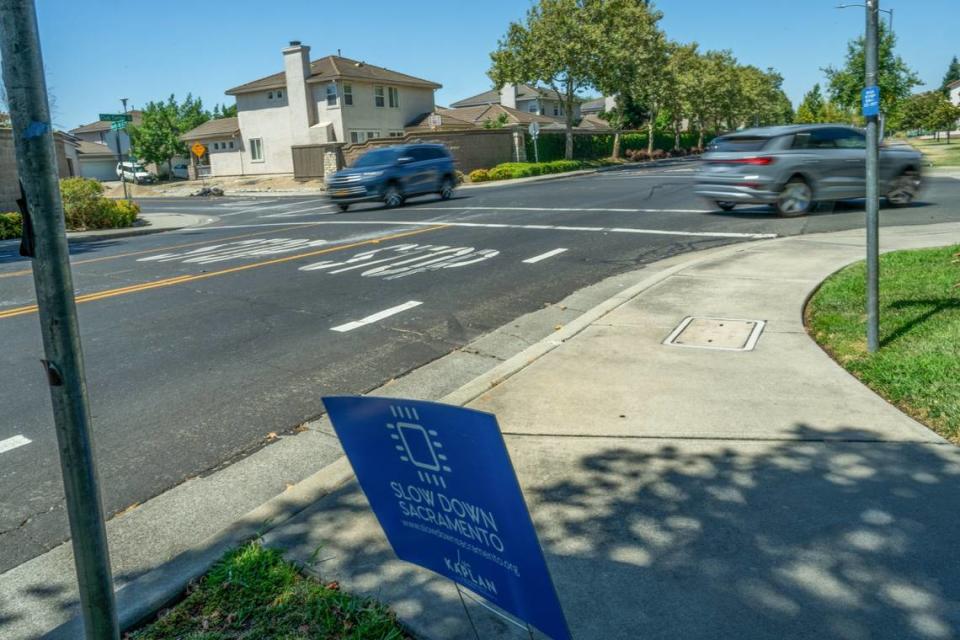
(658, 154)
(501, 172)
(10, 226)
(84, 206)
(479, 175)
(458, 176)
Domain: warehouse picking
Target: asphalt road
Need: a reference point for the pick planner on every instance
(201, 342)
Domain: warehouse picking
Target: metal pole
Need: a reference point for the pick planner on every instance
(129, 149)
(123, 173)
(873, 196)
(37, 166)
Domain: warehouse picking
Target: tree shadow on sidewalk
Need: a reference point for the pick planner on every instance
(799, 539)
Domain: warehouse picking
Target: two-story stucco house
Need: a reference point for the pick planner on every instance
(523, 97)
(332, 99)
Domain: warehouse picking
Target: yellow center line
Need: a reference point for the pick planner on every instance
(167, 282)
(26, 272)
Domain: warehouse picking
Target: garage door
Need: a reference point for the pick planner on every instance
(99, 169)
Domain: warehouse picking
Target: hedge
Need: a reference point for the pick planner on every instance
(512, 170)
(10, 225)
(84, 207)
(592, 146)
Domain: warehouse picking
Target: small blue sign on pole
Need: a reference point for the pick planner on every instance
(870, 101)
(440, 481)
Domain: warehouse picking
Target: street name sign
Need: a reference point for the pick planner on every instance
(118, 125)
(116, 117)
(870, 101)
(198, 149)
(440, 481)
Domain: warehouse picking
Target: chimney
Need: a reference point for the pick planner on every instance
(296, 67)
(609, 103)
(508, 96)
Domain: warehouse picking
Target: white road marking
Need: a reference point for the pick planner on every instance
(276, 206)
(302, 212)
(386, 313)
(405, 260)
(12, 443)
(253, 248)
(538, 227)
(559, 209)
(544, 256)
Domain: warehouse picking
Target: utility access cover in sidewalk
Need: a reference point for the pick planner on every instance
(716, 333)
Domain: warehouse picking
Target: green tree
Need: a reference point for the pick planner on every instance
(895, 78)
(628, 28)
(224, 111)
(157, 138)
(496, 123)
(653, 82)
(811, 107)
(555, 46)
(952, 75)
(682, 69)
(721, 88)
(762, 100)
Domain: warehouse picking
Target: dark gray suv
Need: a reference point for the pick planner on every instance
(393, 174)
(792, 167)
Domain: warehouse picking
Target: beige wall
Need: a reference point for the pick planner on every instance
(9, 183)
(269, 120)
(225, 161)
(364, 115)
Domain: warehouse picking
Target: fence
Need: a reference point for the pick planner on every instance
(471, 149)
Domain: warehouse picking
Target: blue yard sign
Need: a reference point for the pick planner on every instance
(440, 482)
(870, 98)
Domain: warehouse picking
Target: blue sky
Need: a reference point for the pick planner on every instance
(96, 51)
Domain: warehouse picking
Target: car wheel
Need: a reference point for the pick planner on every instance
(796, 199)
(343, 206)
(904, 189)
(446, 189)
(392, 197)
(726, 206)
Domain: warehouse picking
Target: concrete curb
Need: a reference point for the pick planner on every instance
(580, 172)
(189, 221)
(143, 597)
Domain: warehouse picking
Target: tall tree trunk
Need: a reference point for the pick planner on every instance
(700, 137)
(616, 144)
(676, 134)
(650, 127)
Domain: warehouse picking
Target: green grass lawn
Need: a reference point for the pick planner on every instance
(254, 594)
(939, 153)
(918, 365)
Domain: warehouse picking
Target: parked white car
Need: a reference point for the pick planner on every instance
(181, 171)
(134, 172)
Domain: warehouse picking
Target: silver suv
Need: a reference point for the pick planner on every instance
(792, 167)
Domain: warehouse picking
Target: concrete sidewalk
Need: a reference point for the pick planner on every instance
(695, 493)
(149, 223)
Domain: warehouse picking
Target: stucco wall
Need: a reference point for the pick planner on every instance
(9, 183)
(364, 115)
(225, 161)
(268, 120)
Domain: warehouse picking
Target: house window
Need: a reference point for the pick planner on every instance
(556, 110)
(332, 94)
(395, 134)
(378, 96)
(256, 149)
(373, 134)
(394, 97)
(358, 137)
(348, 95)
(279, 94)
(532, 108)
(270, 95)
(231, 144)
(216, 145)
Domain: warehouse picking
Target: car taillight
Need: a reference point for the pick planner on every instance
(754, 160)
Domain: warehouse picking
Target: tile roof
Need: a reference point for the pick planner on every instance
(524, 92)
(217, 128)
(337, 68)
(448, 122)
(481, 113)
(104, 125)
(594, 106)
(94, 149)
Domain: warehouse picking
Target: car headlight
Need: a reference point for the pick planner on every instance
(366, 175)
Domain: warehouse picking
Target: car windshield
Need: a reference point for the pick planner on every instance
(738, 143)
(376, 158)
